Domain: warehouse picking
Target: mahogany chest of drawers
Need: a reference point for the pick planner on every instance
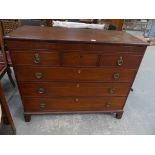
(62, 70)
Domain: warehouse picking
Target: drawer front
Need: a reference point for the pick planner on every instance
(80, 59)
(55, 89)
(65, 104)
(89, 59)
(26, 73)
(36, 58)
(32, 45)
(121, 60)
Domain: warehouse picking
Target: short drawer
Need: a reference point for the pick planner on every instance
(69, 104)
(54, 89)
(80, 59)
(28, 57)
(121, 60)
(26, 73)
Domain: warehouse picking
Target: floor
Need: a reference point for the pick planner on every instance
(138, 117)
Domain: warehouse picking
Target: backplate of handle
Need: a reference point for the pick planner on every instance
(42, 105)
(38, 75)
(108, 104)
(112, 90)
(37, 58)
(120, 61)
(41, 90)
(116, 76)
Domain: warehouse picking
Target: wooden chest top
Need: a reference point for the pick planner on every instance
(73, 35)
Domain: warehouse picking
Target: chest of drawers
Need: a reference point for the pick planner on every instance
(62, 70)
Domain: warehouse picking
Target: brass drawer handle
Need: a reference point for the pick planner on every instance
(108, 105)
(116, 76)
(76, 100)
(42, 105)
(37, 58)
(38, 75)
(112, 90)
(120, 61)
(41, 90)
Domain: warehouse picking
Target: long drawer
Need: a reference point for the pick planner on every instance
(56, 58)
(34, 45)
(65, 104)
(29, 73)
(54, 89)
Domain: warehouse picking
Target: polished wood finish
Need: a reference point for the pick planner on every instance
(73, 104)
(51, 58)
(73, 35)
(38, 45)
(55, 89)
(74, 70)
(74, 58)
(73, 74)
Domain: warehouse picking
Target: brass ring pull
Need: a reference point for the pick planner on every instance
(116, 76)
(37, 58)
(108, 105)
(112, 90)
(42, 105)
(120, 61)
(41, 90)
(38, 75)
